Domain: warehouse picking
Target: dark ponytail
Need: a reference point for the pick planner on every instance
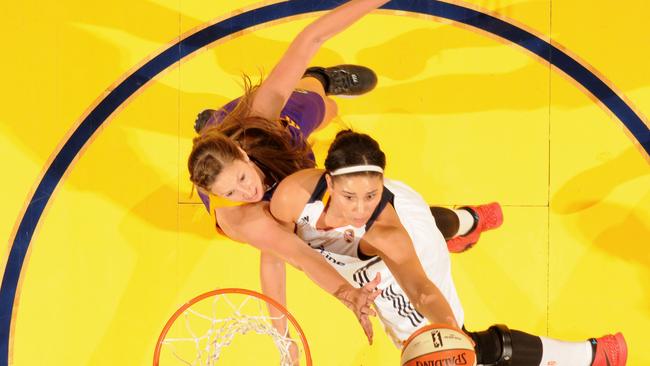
(352, 148)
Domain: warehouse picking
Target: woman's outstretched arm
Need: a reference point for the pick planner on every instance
(277, 87)
(253, 224)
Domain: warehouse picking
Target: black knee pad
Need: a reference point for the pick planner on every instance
(505, 337)
(493, 346)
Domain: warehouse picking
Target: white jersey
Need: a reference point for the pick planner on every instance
(340, 247)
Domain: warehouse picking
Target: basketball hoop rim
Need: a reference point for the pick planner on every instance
(231, 290)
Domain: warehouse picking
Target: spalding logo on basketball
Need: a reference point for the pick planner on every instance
(438, 345)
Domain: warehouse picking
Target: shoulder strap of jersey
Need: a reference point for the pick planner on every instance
(319, 190)
(386, 197)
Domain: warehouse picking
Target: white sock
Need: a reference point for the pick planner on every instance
(561, 353)
(466, 221)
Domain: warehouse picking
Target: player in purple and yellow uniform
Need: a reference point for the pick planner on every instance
(308, 109)
(247, 147)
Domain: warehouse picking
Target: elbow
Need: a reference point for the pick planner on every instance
(436, 306)
(292, 260)
(425, 300)
(288, 255)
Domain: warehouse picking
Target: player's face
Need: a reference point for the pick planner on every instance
(239, 181)
(354, 198)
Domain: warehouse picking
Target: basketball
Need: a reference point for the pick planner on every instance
(438, 345)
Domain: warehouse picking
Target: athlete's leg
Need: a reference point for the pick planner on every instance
(452, 223)
(486, 217)
(343, 80)
(312, 84)
(350, 80)
(501, 346)
(462, 227)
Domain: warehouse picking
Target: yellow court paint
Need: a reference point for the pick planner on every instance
(465, 117)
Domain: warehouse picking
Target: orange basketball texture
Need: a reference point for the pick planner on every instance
(438, 345)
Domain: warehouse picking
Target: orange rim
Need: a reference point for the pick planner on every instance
(223, 291)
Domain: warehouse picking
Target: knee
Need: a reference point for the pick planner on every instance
(493, 346)
(446, 220)
(331, 108)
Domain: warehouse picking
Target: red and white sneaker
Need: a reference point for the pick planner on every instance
(611, 350)
(487, 217)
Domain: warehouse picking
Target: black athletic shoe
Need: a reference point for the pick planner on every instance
(344, 79)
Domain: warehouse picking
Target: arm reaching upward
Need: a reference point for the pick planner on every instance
(277, 87)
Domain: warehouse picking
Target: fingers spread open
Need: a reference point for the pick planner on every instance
(367, 328)
(374, 295)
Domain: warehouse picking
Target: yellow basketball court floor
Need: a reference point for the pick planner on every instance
(539, 105)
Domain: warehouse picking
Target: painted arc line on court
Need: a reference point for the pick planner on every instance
(63, 160)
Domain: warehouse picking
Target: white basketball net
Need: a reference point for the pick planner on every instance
(222, 330)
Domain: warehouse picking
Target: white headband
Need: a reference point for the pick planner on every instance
(357, 169)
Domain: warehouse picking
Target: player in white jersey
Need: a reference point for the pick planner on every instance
(367, 226)
(341, 247)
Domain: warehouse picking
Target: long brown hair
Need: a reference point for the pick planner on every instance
(267, 143)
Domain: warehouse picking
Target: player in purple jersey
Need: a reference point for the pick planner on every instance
(247, 147)
(303, 113)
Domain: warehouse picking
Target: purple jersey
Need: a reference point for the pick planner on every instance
(303, 113)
